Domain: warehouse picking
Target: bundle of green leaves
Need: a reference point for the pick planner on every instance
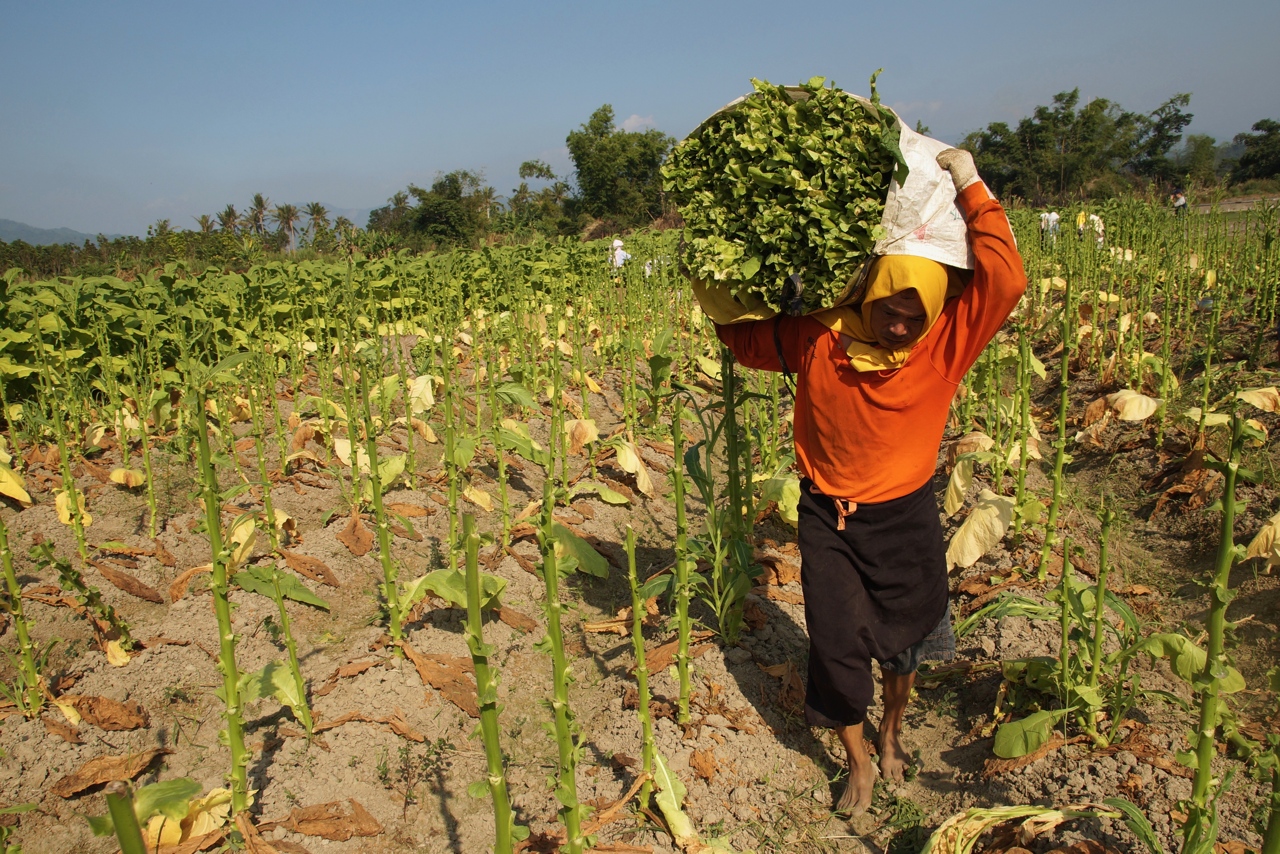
(791, 180)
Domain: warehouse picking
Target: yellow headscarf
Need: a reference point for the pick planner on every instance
(891, 274)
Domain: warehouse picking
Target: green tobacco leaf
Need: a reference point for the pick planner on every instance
(258, 579)
(607, 495)
(572, 548)
(1188, 660)
(451, 586)
(1020, 737)
(524, 446)
(171, 798)
(478, 790)
(464, 451)
(390, 468)
(786, 492)
(670, 798)
(515, 393)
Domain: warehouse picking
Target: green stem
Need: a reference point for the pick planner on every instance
(120, 807)
(300, 684)
(233, 711)
(486, 693)
(642, 671)
(28, 652)
(566, 791)
(1219, 597)
(683, 627)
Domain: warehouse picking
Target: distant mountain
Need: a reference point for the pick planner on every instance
(11, 230)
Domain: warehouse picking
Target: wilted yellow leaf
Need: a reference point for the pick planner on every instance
(958, 485)
(130, 478)
(241, 537)
(62, 503)
(162, 831)
(1213, 419)
(478, 497)
(982, 530)
(974, 442)
(424, 430)
(12, 485)
(565, 347)
(1129, 405)
(1266, 399)
(116, 656)
(1266, 544)
(69, 712)
(421, 394)
(581, 432)
(630, 462)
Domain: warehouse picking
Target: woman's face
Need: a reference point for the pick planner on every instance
(897, 321)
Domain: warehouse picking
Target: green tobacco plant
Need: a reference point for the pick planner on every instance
(495, 785)
(285, 684)
(563, 726)
(1216, 676)
(27, 692)
(723, 545)
(642, 671)
(226, 553)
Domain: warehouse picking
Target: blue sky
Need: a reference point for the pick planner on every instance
(114, 115)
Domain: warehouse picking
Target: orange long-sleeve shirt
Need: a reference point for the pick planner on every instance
(873, 436)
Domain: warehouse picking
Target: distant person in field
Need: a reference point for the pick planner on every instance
(1099, 230)
(1055, 222)
(1044, 227)
(619, 256)
(1081, 219)
(1179, 203)
(874, 384)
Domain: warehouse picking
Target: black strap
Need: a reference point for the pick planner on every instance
(788, 379)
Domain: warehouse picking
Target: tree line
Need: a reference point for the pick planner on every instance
(1067, 151)
(1063, 152)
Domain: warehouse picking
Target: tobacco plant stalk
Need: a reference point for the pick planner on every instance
(684, 627)
(486, 693)
(29, 691)
(642, 670)
(1220, 596)
(566, 789)
(1060, 444)
(233, 709)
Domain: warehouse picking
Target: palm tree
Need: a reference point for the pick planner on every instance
(256, 218)
(206, 223)
(286, 217)
(229, 219)
(317, 217)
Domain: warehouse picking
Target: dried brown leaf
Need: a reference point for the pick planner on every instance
(62, 729)
(163, 555)
(128, 583)
(1094, 411)
(517, 620)
(108, 714)
(401, 727)
(452, 676)
(313, 568)
(178, 588)
(253, 841)
(703, 763)
(356, 537)
(104, 769)
(791, 690)
(410, 511)
(329, 821)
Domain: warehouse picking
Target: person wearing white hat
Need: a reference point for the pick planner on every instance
(620, 255)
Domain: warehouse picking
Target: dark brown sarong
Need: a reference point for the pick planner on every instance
(875, 584)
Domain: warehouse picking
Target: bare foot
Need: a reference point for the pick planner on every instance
(857, 791)
(894, 759)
